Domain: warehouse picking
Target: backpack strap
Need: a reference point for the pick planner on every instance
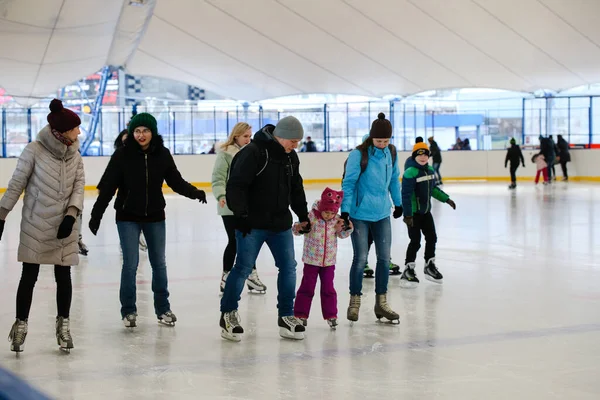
(364, 161)
(394, 153)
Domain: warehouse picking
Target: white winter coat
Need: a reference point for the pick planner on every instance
(52, 176)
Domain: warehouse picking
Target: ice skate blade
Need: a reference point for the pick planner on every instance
(369, 276)
(17, 349)
(432, 279)
(232, 337)
(404, 284)
(165, 323)
(256, 291)
(385, 321)
(65, 346)
(287, 334)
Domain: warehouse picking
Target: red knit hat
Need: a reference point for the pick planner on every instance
(331, 200)
(62, 119)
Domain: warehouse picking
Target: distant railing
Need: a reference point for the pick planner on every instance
(489, 125)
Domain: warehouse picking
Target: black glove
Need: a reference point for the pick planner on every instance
(1, 228)
(397, 212)
(243, 225)
(307, 227)
(451, 203)
(66, 227)
(346, 217)
(200, 195)
(408, 221)
(94, 225)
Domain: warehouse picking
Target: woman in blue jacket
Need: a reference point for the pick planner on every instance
(371, 177)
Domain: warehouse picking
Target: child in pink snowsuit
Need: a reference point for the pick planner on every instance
(319, 256)
(542, 168)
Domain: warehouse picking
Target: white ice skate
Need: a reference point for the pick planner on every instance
(230, 326)
(332, 323)
(63, 334)
(291, 328)
(17, 336)
(254, 283)
(167, 318)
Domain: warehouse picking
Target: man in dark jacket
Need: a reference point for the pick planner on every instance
(264, 181)
(436, 156)
(547, 149)
(564, 154)
(514, 156)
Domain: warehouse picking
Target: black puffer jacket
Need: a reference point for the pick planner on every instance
(514, 156)
(139, 177)
(264, 181)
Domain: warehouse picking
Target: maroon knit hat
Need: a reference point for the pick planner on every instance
(62, 119)
(381, 128)
(331, 200)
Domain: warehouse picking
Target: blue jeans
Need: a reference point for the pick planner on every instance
(382, 237)
(129, 234)
(436, 169)
(281, 245)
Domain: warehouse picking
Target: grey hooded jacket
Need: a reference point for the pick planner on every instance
(52, 176)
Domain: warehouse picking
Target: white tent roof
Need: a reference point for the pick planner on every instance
(257, 49)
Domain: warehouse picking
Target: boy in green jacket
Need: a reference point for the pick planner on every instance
(418, 186)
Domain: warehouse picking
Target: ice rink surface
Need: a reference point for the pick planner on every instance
(517, 317)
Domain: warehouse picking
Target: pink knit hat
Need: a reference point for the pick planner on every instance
(331, 200)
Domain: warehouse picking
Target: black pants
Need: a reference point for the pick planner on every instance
(421, 223)
(563, 165)
(513, 172)
(64, 289)
(231, 249)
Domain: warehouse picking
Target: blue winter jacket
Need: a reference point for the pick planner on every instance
(367, 195)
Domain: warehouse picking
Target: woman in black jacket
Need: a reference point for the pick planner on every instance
(514, 156)
(564, 154)
(138, 171)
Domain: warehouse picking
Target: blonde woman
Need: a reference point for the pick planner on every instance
(240, 136)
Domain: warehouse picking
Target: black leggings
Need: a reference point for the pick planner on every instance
(231, 249)
(64, 289)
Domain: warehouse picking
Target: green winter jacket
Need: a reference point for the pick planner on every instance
(418, 187)
(220, 174)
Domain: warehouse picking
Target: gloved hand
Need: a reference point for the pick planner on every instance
(451, 203)
(346, 217)
(66, 227)
(305, 226)
(408, 221)
(397, 212)
(243, 225)
(200, 195)
(1, 228)
(94, 225)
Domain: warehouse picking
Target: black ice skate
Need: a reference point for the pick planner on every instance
(130, 320)
(394, 269)
(230, 326)
(167, 318)
(431, 272)
(368, 272)
(63, 334)
(291, 328)
(353, 308)
(254, 283)
(17, 336)
(223, 281)
(409, 279)
(383, 310)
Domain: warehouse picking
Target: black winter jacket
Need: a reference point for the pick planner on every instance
(139, 178)
(436, 153)
(264, 181)
(514, 155)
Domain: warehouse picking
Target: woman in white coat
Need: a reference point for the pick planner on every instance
(50, 171)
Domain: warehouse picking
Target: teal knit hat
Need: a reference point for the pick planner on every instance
(143, 119)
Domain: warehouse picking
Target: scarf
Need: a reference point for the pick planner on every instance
(61, 137)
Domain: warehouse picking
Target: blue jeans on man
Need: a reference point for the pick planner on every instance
(129, 234)
(382, 238)
(281, 245)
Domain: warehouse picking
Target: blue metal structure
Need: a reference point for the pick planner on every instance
(96, 111)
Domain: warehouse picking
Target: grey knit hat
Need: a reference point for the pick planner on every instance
(289, 128)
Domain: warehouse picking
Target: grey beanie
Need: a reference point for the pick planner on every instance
(289, 128)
